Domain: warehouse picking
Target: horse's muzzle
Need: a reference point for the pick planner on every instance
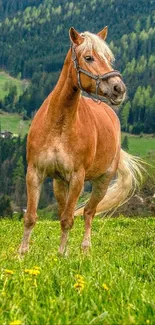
(114, 90)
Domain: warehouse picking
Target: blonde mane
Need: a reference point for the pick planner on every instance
(94, 42)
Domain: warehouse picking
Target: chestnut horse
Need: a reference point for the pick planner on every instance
(73, 138)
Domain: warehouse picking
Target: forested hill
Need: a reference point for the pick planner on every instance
(34, 41)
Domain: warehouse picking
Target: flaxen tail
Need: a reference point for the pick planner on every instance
(128, 179)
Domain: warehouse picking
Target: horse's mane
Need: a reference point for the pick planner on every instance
(94, 42)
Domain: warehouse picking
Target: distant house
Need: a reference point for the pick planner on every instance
(6, 134)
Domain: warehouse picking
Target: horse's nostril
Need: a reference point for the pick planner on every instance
(117, 89)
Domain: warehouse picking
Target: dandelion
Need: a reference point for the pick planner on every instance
(81, 281)
(80, 284)
(9, 271)
(32, 271)
(105, 287)
(147, 321)
(16, 322)
(36, 267)
(79, 277)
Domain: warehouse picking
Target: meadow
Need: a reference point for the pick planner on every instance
(113, 284)
(141, 146)
(14, 123)
(6, 81)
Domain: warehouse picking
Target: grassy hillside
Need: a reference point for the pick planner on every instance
(112, 285)
(6, 82)
(14, 123)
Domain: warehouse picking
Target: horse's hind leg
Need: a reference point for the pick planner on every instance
(33, 193)
(99, 188)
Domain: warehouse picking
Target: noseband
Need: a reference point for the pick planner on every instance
(97, 78)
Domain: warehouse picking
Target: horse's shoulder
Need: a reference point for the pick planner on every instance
(100, 110)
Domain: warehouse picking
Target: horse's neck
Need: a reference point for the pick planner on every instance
(63, 105)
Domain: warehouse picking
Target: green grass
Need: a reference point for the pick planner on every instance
(118, 274)
(6, 81)
(140, 146)
(14, 124)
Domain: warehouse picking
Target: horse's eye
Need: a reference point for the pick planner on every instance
(89, 58)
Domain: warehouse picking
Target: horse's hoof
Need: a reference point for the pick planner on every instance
(22, 250)
(63, 253)
(86, 245)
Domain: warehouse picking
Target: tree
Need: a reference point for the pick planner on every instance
(5, 206)
(125, 143)
(125, 116)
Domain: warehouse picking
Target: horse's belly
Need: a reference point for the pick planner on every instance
(102, 162)
(96, 171)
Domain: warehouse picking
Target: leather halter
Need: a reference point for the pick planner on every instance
(97, 78)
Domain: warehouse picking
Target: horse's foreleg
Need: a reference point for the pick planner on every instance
(67, 217)
(33, 193)
(99, 189)
(60, 192)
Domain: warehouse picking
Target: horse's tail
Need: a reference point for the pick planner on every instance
(128, 179)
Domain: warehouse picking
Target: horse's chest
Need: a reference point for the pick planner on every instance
(56, 162)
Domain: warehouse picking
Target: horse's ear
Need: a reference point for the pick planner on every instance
(103, 33)
(75, 37)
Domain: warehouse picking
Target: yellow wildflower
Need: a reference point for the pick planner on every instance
(35, 272)
(9, 271)
(3, 294)
(16, 322)
(36, 267)
(81, 281)
(105, 287)
(78, 285)
(32, 271)
(78, 276)
(26, 270)
(147, 321)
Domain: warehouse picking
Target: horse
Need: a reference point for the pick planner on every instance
(74, 138)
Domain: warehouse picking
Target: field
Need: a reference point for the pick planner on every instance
(7, 81)
(14, 124)
(114, 284)
(140, 146)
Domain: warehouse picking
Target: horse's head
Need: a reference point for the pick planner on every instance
(92, 71)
